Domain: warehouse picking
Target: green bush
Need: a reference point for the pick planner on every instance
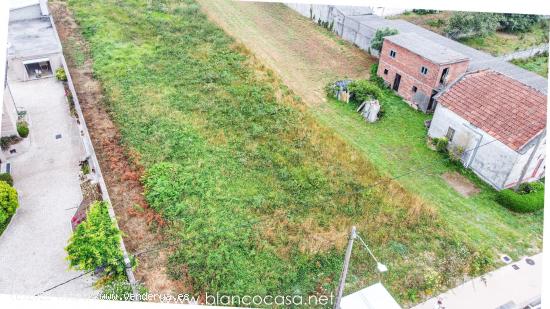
(379, 81)
(467, 24)
(518, 22)
(521, 202)
(61, 75)
(23, 129)
(7, 178)
(95, 242)
(363, 90)
(441, 144)
(8, 202)
(424, 12)
(378, 39)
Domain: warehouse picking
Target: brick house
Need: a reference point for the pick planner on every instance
(418, 69)
(499, 122)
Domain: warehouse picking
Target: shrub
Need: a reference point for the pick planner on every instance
(518, 22)
(438, 22)
(379, 81)
(363, 90)
(7, 178)
(531, 187)
(8, 202)
(522, 203)
(95, 243)
(466, 24)
(378, 38)
(23, 129)
(441, 144)
(61, 75)
(424, 12)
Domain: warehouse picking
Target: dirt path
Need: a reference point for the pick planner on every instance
(306, 56)
(140, 224)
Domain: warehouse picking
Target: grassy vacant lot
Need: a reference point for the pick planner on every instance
(260, 195)
(537, 64)
(499, 43)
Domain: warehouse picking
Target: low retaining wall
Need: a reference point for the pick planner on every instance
(94, 165)
(527, 53)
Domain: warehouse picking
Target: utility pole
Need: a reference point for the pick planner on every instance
(344, 274)
(524, 170)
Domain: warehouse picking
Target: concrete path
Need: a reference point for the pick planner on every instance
(32, 255)
(506, 287)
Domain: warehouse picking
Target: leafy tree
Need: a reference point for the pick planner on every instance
(518, 22)
(95, 243)
(8, 202)
(378, 39)
(424, 12)
(467, 24)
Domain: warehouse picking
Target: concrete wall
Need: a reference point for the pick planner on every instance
(408, 65)
(18, 72)
(28, 12)
(9, 115)
(491, 160)
(536, 167)
(342, 20)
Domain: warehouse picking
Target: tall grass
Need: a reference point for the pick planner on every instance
(260, 194)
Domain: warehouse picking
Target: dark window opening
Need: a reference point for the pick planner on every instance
(385, 71)
(414, 89)
(450, 134)
(444, 74)
(393, 53)
(424, 70)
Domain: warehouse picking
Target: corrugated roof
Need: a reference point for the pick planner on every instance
(504, 108)
(426, 48)
(478, 59)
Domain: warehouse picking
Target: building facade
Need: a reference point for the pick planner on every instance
(499, 125)
(418, 69)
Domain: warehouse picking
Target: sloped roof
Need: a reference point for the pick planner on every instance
(503, 107)
(428, 49)
(478, 59)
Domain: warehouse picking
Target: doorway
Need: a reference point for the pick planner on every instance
(431, 105)
(396, 82)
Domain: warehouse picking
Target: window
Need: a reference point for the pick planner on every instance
(424, 70)
(414, 89)
(393, 53)
(444, 74)
(385, 71)
(450, 134)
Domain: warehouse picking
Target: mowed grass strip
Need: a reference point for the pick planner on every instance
(261, 196)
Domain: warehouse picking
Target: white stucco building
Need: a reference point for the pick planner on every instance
(499, 122)
(33, 48)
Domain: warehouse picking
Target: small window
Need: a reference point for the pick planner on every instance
(424, 70)
(450, 134)
(385, 71)
(414, 89)
(393, 53)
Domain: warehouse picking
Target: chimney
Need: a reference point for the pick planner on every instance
(44, 7)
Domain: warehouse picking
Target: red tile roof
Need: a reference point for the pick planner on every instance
(503, 107)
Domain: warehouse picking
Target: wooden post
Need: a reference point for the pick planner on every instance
(347, 257)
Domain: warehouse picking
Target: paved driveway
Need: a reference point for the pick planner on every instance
(508, 286)
(32, 255)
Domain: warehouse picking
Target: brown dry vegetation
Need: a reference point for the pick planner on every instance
(139, 224)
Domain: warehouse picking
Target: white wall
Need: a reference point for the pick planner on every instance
(493, 161)
(9, 115)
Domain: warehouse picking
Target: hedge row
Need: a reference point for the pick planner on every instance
(522, 203)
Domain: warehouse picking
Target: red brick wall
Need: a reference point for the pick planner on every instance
(408, 65)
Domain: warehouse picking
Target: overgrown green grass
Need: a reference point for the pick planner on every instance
(260, 194)
(397, 145)
(537, 64)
